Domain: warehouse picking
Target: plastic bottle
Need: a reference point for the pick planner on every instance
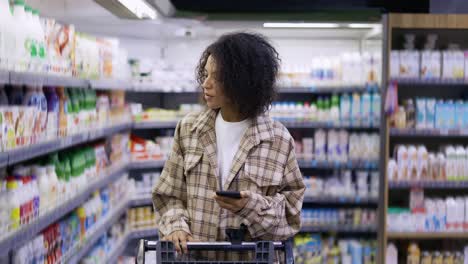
(40, 41)
(53, 107)
(345, 109)
(36, 196)
(356, 110)
(14, 203)
(70, 186)
(335, 110)
(375, 110)
(22, 55)
(63, 111)
(53, 183)
(8, 37)
(42, 104)
(44, 188)
(31, 40)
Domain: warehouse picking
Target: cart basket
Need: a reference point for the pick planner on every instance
(164, 252)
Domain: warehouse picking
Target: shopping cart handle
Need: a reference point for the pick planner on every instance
(167, 246)
(217, 246)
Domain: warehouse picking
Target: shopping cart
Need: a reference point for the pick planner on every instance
(163, 252)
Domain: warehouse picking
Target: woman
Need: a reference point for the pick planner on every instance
(232, 146)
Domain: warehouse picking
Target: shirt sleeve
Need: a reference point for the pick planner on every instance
(170, 193)
(277, 217)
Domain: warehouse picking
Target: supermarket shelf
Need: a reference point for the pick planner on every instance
(40, 149)
(26, 233)
(313, 164)
(325, 125)
(140, 200)
(428, 184)
(340, 200)
(288, 124)
(329, 89)
(3, 159)
(108, 84)
(117, 250)
(105, 223)
(152, 164)
(427, 235)
(155, 124)
(338, 229)
(412, 132)
(425, 82)
(52, 80)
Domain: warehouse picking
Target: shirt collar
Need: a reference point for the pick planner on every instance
(261, 128)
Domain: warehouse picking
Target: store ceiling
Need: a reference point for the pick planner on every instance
(90, 17)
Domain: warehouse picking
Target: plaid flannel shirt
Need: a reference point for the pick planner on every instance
(265, 164)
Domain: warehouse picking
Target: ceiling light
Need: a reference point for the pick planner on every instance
(140, 8)
(300, 25)
(362, 25)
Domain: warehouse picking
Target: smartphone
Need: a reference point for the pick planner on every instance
(230, 194)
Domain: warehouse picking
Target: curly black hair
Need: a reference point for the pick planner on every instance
(247, 67)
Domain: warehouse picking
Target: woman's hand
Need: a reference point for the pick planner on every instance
(232, 204)
(180, 239)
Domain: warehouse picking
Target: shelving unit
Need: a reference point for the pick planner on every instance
(340, 200)
(26, 233)
(426, 235)
(449, 28)
(99, 229)
(133, 234)
(339, 229)
(36, 150)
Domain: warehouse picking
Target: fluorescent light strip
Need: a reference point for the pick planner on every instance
(360, 25)
(140, 8)
(300, 25)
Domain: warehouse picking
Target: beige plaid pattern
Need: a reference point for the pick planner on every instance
(265, 165)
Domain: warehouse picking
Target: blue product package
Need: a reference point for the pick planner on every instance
(450, 114)
(430, 113)
(465, 114)
(439, 114)
(375, 109)
(356, 252)
(459, 108)
(421, 113)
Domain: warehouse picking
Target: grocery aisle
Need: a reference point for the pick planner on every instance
(377, 111)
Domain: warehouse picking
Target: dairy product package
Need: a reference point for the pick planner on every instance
(459, 108)
(356, 110)
(332, 146)
(345, 109)
(308, 148)
(422, 171)
(412, 163)
(402, 161)
(453, 65)
(440, 115)
(421, 113)
(375, 109)
(320, 145)
(430, 64)
(409, 64)
(343, 146)
(366, 106)
(430, 113)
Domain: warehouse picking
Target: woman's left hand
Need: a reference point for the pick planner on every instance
(232, 204)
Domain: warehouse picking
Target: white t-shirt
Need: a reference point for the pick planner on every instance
(228, 138)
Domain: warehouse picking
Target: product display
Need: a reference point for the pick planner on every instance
(338, 146)
(43, 114)
(430, 114)
(157, 114)
(347, 110)
(58, 241)
(415, 255)
(148, 150)
(430, 64)
(42, 45)
(144, 187)
(343, 218)
(365, 185)
(430, 214)
(417, 164)
(347, 69)
(32, 190)
(314, 249)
